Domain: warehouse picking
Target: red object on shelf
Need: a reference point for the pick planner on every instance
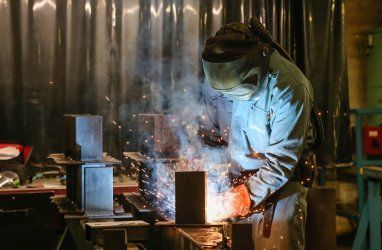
(372, 141)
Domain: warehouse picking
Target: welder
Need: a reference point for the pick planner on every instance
(260, 106)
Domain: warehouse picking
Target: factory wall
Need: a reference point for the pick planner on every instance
(120, 58)
(361, 16)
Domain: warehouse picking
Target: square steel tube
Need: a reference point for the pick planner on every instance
(190, 197)
(242, 236)
(97, 189)
(83, 137)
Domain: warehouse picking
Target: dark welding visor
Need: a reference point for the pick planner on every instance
(228, 75)
(232, 57)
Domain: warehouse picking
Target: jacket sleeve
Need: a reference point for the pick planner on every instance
(289, 122)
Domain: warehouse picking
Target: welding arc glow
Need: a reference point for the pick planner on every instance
(161, 188)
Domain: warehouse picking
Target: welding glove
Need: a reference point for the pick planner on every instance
(237, 201)
(237, 175)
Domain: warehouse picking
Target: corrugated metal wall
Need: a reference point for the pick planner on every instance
(119, 58)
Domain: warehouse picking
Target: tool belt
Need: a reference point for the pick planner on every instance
(305, 170)
(304, 174)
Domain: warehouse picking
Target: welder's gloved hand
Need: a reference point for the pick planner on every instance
(212, 138)
(237, 175)
(238, 201)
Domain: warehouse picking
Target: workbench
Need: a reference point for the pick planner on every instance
(122, 184)
(371, 212)
(33, 214)
(138, 226)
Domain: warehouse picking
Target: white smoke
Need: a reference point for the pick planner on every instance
(194, 155)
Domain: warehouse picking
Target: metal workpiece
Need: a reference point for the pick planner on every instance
(70, 210)
(89, 184)
(90, 187)
(158, 135)
(62, 159)
(83, 137)
(116, 239)
(241, 236)
(195, 237)
(147, 169)
(204, 237)
(140, 209)
(95, 232)
(135, 230)
(79, 177)
(190, 197)
(97, 190)
(65, 206)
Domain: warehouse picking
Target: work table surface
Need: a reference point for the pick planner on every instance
(121, 184)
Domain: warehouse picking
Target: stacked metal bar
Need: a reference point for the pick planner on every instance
(89, 176)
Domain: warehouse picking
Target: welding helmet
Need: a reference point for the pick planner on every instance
(235, 62)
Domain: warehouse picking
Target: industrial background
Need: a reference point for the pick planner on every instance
(120, 59)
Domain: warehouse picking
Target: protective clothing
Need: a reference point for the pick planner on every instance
(276, 121)
(242, 92)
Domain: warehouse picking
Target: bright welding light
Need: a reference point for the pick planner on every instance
(216, 210)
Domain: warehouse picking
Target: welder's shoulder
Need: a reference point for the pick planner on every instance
(290, 79)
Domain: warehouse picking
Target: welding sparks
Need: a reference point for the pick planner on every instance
(161, 187)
